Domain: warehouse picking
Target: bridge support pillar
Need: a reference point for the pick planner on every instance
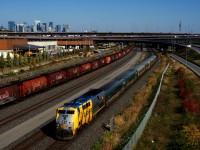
(141, 46)
(158, 46)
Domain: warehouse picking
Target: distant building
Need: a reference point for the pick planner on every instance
(21, 27)
(37, 26)
(58, 28)
(44, 27)
(11, 26)
(50, 29)
(66, 28)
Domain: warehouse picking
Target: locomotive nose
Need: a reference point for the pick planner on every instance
(64, 127)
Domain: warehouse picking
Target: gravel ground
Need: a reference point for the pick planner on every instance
(92, 132)
(7, 111)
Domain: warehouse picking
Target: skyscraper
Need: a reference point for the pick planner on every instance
(37, 26)
(44, 27)
(11, 26)
(66, 28)
(58, 28)
(50, 27)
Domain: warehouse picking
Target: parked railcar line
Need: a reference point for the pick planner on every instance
(23, 112)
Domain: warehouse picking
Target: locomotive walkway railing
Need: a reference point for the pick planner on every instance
(132, 142)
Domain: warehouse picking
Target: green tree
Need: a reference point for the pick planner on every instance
(48, 56)
(40, 56)
(15, 60)
(37, 58)
(87, 48)
(25, 59)
(21, 60)
(32, 61)
(9, 60)
(2, 62)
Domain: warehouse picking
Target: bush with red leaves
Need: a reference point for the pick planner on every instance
(191, 106)
(182, 83)
(184, 93)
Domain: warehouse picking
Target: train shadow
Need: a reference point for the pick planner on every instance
(49, 129)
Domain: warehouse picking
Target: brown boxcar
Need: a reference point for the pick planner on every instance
(95, 64)
(85, 68)
(33, 85)
(55, 78)
(72, 72)
(119, 55)
(107, 59)
(128, 50)
(9, 93)
(124, 52)
(112, 57)
(116, 57)
(101, 62)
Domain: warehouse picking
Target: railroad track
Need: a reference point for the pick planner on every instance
(36, 139)
(27, 110)
(41, 135)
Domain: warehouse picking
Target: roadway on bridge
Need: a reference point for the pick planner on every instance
(192, 66)
(194, 47)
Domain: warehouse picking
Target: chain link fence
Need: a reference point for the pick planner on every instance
(132, 142)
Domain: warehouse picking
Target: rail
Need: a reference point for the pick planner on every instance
(132, 142)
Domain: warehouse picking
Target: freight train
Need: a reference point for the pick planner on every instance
(17, 90)
(74, 114)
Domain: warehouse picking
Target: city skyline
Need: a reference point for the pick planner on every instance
(38, 26)
(128, 16)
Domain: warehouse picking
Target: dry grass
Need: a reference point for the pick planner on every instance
(168, 117)
(130, 115)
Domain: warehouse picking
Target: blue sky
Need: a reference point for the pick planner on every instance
(107, 15)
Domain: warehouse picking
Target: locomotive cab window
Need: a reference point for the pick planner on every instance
(61, 111)
(70, 111)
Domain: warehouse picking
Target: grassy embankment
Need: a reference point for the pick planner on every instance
(175, 123)
(128, 120)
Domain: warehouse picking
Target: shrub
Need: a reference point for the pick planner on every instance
(178, 142)
(180, 72)
(184, 93)
(192, 133)
(191, 106)
(182, 83)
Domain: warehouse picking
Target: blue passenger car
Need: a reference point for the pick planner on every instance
(113, 89)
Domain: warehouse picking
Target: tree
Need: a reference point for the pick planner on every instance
(9, 60)
(32, 61)
(37, 58)
(40, 56)
(25, 59)
(15, 60)
(21, 60)
(2, 62)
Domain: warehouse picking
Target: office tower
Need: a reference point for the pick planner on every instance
(58, 28)
(37, 26)
(50, 27)
(11, 26)
(44, 27)
(66, 28)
